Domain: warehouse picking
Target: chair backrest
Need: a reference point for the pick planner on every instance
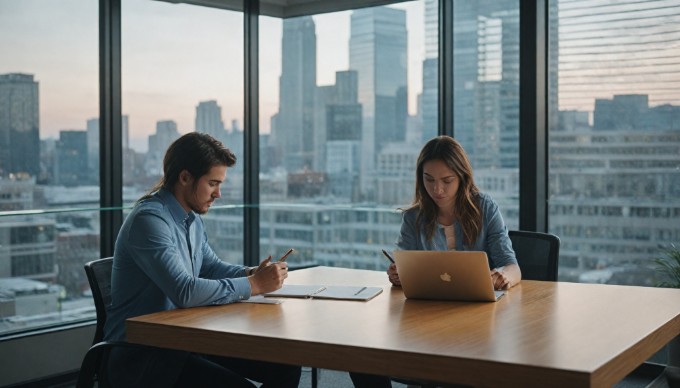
(99, 276)
(537, 254)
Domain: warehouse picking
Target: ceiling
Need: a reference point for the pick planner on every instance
(289, 8)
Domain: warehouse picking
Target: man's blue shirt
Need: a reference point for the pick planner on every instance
(153, 270)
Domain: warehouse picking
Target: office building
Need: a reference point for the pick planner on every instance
(71, 155)
(166, 133)
(293, 134)
(209, 119)
(342, 121)
(19, 124)
(377, 52)
(429, 98)
(92, 129)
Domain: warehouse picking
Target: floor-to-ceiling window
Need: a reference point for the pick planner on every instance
(614, 139)
(486, 96)
(346, 101)
(49, 194)
(182, 71)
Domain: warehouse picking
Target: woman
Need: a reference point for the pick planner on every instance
(448, 212)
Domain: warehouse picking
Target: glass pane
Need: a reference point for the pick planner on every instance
(48, 94)
(615, 141)
(486, 96)
(185, 76)
(342, 121)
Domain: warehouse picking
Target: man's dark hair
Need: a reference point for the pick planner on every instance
(195, 152)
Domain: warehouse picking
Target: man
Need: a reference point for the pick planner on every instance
(162, 260)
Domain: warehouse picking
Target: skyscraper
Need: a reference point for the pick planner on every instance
(209, 119)
(166, 133)
(93, 147)
(71, 157)
(343, 134)
(19, 125)
(377, 51)
(293, 132)
(429, 99)
(92, 128)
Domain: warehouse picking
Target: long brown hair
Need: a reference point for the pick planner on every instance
(466, 205)
(195, 152)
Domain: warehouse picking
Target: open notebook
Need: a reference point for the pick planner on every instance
(446, 275)
(326, 292)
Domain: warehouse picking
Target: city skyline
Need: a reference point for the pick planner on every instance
(201, 73)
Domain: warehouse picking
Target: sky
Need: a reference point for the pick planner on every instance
(173, 57)
(176, 55)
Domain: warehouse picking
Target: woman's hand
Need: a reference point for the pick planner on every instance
(506, 277)
(393, 276)
(499, 279)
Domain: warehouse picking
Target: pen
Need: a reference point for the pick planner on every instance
(388, 256)
(359, 292)
(283, 258)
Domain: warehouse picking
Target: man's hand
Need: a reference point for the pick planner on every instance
(268, 277)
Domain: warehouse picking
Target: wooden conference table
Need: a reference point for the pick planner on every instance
(538, 334)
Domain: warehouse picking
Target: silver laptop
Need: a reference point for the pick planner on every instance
(446, 275)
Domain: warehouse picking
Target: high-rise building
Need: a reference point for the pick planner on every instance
(71, 155)
(342, 113)
(209, 119)
(293, 132)
(19, 125)
(486, 81)
(323, 99)
(429, 98)
(342, 149)
(378, 53)
(166, 133)
(92, 126)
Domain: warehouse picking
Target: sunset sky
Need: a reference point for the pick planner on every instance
(176, 55)
(173, 57)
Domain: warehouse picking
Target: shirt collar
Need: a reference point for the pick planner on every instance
(176, 210)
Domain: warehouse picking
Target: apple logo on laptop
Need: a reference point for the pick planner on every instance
(445, 277)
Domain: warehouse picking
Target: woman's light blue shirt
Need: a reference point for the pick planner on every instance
(153, 271)
(493, 238)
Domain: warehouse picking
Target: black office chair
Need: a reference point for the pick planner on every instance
(99, 276)
(93, 366)
(537, 254)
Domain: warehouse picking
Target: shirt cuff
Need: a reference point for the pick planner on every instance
(241, 288)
